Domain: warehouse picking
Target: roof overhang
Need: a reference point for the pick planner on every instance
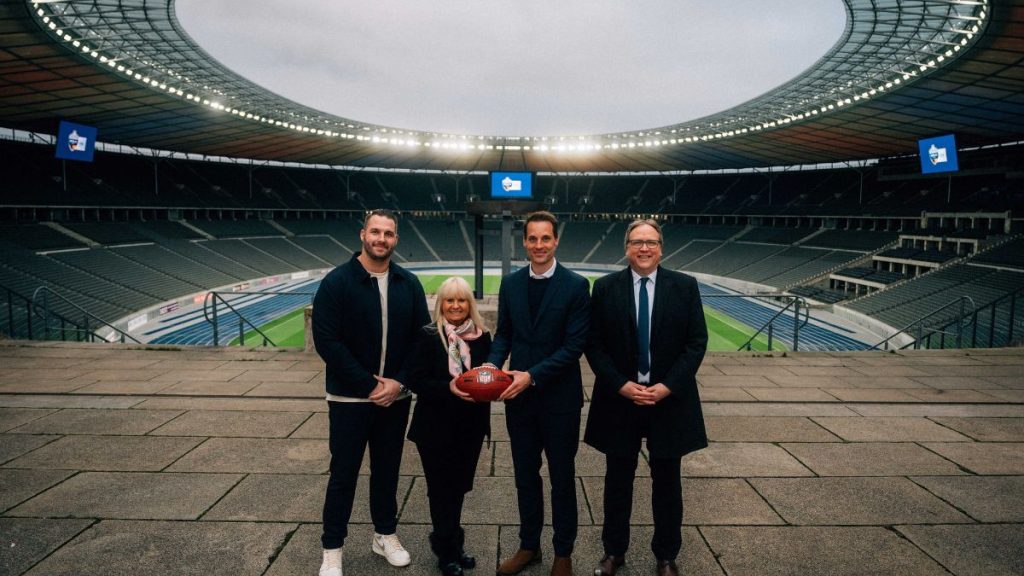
(903, 70)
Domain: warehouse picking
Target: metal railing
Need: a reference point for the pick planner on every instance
(921, 328)
(994, 324)
(211, 315)
(794, 303)
(88, 318)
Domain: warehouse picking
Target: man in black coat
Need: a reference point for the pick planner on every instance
(647, 340)
(543, 320)
(367, 315)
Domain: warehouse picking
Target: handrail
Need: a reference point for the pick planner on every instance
(242, 320)
(920, 322)
(992, 306)
(46, 291)
(794, 302)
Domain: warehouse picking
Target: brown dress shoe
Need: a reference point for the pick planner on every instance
(562, 566)
(520, 560)
(608, 565)
(667, 568)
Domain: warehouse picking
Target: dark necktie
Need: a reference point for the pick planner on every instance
(643, 330)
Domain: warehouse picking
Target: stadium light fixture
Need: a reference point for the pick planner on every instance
(949, 27)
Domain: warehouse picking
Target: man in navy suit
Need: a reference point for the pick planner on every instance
(647, 341)
(543, 322)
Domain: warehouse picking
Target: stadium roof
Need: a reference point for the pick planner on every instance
(903, 70)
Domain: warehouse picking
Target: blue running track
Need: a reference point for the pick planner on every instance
(815, 335)
(257, 309)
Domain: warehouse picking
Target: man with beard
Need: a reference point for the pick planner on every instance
(543, 318)
(367, 314)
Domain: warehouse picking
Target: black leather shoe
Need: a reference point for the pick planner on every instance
(608, 565)
(667, 568)
(452, 569)
(466, 561)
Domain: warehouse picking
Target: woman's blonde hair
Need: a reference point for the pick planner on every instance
(455, 287)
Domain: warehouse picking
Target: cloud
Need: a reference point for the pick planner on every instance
(520, 68)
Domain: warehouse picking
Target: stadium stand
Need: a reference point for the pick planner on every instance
(240, 251)
(446, 238)
(733, 256)
(171, 263)
(199, 252)
(581, 239)
(36, 237)
(860, 240)
(236, 228)
(324, 247)
(286, 250)
(775, 235)
(1009, 254)
(102, 262)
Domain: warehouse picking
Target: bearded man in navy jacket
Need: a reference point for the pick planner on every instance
(367, 314)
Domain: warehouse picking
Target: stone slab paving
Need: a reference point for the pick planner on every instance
(130, 495)
(820, 550)
(231, 424)
(119, 460)
(16, 486)
(14, 445)
(766, 429)
(123, 453)
(130, 547)
(984, 498)
(981, 550)
(897, 429)
(98, 422)
(986, 429)
(984, 457)
(854, 501)
(26, 541)
(871, 459)
(259, 455)
(14, 417)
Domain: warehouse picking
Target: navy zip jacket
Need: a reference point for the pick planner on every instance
(347, 326)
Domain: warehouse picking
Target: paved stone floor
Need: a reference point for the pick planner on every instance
(116, 460)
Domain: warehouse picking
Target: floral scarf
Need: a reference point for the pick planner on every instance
(458, 351)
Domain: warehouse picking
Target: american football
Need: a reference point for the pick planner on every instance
(484, 384)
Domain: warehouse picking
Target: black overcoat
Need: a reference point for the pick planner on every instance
(675, 425)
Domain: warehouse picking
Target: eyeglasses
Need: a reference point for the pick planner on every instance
(640, 243)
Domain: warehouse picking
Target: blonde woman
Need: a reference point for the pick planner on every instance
(447, 426)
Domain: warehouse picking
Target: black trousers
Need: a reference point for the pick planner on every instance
(448, 470)
(557, 437)
(666, 500)
(353, 426)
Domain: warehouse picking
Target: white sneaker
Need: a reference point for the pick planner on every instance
(332, 563)
(388, 546)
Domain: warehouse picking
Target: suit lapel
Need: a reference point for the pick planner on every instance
(661, 300)
(519, 298)
(627, 305)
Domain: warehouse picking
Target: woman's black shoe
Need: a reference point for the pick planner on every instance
(452, 569)
(466, 561)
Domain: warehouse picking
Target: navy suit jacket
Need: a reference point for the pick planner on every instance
(549, 348)
(675, 425)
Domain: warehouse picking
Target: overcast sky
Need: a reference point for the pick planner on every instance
(517, 67)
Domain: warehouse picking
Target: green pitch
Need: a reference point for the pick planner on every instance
(724, 332)
(288, 330)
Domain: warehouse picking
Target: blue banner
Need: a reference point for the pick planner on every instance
(76, 141)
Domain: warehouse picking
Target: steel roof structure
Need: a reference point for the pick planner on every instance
(903, 70)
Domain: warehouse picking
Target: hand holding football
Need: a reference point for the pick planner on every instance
(483, 384)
